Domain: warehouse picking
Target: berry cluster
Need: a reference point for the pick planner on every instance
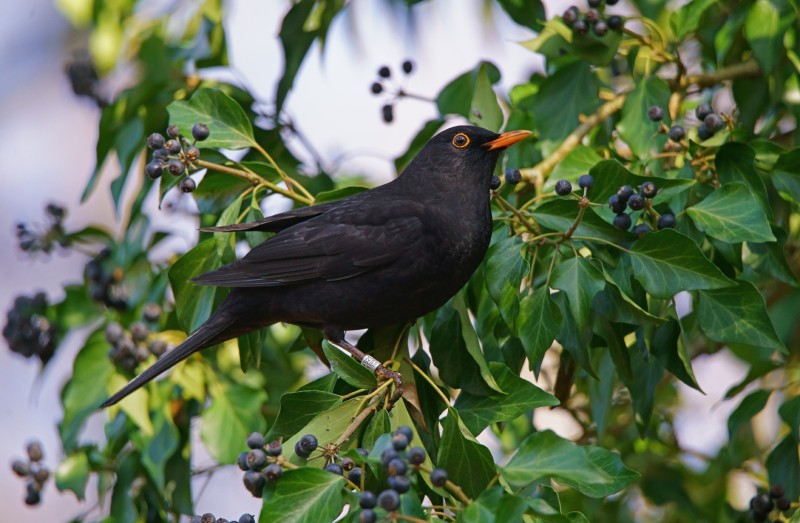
(131, 347)
(385, 82)
(32, 470)
(264, 462)
(592, 18)
(32, 238)
(711, 123)
(175, 154)
(761, 505)
(210, 518)
(28, 331)
(628, 198)
(106, 281)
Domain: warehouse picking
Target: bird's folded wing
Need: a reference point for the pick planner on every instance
(320, 250)
(276, 222)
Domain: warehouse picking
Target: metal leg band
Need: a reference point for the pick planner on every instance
(370, 363)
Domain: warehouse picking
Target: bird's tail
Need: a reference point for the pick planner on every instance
(208, 334)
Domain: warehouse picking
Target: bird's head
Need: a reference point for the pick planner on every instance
(462, 154)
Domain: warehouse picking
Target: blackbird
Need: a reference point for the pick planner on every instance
(383, 256)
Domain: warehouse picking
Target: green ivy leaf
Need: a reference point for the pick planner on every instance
(347, 368)
(770, 258)
(687, 19)
(484, 110)
(478, 412)
(667, 262)
(529, 13)
(158, 447)
(73, 473)
(503, 269)
(563, 97)
(472, 474)
(217, 191)
(578, 162)
(538, 324)
(735, 162)
(747, 409)
(234, 412)
(230, 128)
(738, 315)
(635, 128)
(789, 412)
(327, 426)
(786, 175)
(304, 495)
(299, 408)
(469, 89)
(581, 280)
(193, 303)
(338, 194)
(764, 32)
(732, 214)
(494, 505)
(783, 464)
(610, 175)
(593, 471)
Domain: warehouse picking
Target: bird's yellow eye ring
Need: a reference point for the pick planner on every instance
(460, 141)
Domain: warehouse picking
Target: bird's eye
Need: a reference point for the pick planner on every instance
(460, 140)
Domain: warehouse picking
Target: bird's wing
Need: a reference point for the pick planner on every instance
(276, 222)
(347, 241)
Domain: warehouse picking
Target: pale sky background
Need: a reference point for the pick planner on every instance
(47, 140)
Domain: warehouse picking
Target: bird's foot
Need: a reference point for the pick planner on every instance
(386, 374)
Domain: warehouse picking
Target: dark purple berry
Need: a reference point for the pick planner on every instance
(622, 221)
(139, 331)
(407, 431)
(173, 146)
(783, 503)
(367, 516)
(34, 450)
(563, 187)
(242, 462)
(702, 111)
(513, 176)
(347, 464)
(676, 133)
(586, 181)
(192, 153)
(388, 455)
(256, 459)
(254, 482)
(309, 442)
(200, 131)
(580, 27)
(704, 133)
(387, 111)
(617, 204)
(625, 192)
(641, 229)
(655, 113)
(367, 499)
(389, 500)
(408, 66)
(175, 167)
(666, 221)
(20, 468)
(335, 468)
(247, 518)
(615, 23)
(592, 16)
(208, 517)
(594, 3)
(438, 477)
(494, 183)
(161, 154)
(32, 497)
(274, 448)
(173, 131)
(713, 122)
(399, 483)
(376, 88)
(416, 455)
(114, 332)
(397, 467)
(188, 185)
(158, 347)
(384, 71)
(154, 169)
(399, 441)
(570, 16)
(155, 141)
(777, 491)
(255, 440)
(636, 202)
(600, 28)
(273, 472)
(355, 475)
(648, 189)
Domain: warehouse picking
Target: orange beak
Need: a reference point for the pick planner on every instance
(506, 140)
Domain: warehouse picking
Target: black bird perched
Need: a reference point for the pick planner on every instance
(383, 256)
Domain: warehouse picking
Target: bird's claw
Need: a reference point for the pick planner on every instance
(386, 374)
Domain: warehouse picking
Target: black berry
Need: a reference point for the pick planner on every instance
(702, 111)
(242, 461)
(256, 459)
(704, 133)
(192, 153)
(154, 169)
(407, 431)
(617, 204)
(247, 518)
(309, 442)
(622, 221)
(615, 23)
(494, 183)
(655, 113)
(570, 16)
(274, 448)
(389, 500)
(20, 468)
(273, 472)
(586, 181)
(367, 516)
(713, 122)
(376, 88)
(188, 185)
(387, 111)
(666, 221)
(777, 491)
(438, 477)
(408, 66)
(592, 16)
(783, 503)
(368, 499)
(158, 347)
(563, 187)
(513, 176)
(347, 464)
(580, 27)
(114, 332)
(384, 71)
(397, 467)
(335, 468)
(255, 440)
(155, 141)
(254, 482)
(676, 133)
(208, 517)
(173, 131)
(399, 441)
(600, 28)
(34, 450)
(594, 3)
(636, 202)
(625, 192)
(139, 331)
(399, 483)
(200, 131)
(355, 475)
(175, 167)
(388, 455)
(161, 154)
(611, 2)
(416, 455)
(648, 189)
(301, 451)
(173, 146)
(32, 497)
(641, 229)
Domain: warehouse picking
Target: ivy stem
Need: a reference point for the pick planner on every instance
(364, 414)
(593, 239)
(428, 379)
(584, 203)
(254, 179)
(289, 181)
(531, 227)
(746, 69)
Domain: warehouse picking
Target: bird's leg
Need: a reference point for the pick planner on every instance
(336, 336)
